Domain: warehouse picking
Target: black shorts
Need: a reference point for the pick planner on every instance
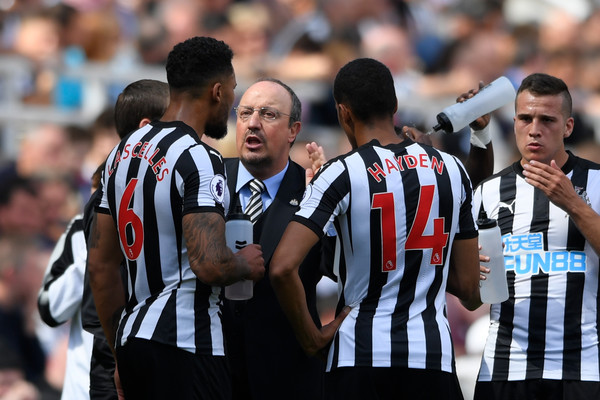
(102, 371)
(546, 389)
(150, 370)
(390, 383)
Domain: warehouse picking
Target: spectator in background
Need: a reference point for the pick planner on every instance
(13, 385)
(43, 151)
(104, 138)
(20, 208)
(20, 273)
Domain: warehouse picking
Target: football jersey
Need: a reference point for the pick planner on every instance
(152, 179)
(548, 327)
(396, 210)
(60, 300)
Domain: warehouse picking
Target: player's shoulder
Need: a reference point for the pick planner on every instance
(585, 163)
(509, 170)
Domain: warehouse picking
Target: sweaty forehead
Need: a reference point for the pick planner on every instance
(528, 102)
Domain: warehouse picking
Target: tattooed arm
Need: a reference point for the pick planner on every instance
(210, 258)
(104, 263)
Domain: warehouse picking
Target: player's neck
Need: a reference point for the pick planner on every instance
(192, 111)
(382, 131)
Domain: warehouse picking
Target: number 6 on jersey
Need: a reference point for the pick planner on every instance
(127, 217)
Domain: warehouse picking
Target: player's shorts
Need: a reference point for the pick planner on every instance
(547, 389)
(150, 370)
(390, 383)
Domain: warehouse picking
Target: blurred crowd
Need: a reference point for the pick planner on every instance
(51, 50)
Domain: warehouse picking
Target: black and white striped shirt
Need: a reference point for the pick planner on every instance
(59, 301)
(152, 178)
(548, 328)
(396, 210)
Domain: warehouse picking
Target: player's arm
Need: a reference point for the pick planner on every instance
(296, 242)
(480, 161)
(104, 264)
(463, 275)
(558, 187)
(210, 258)
(62, 289)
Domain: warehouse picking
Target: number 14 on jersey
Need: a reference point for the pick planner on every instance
(416, 239)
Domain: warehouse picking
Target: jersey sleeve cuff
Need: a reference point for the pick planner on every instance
(309, 224)
(466, 235)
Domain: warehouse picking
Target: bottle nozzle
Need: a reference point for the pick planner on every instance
(482, 214)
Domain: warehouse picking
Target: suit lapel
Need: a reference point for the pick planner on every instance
(280, 212)
(282, 209)
(231, 170)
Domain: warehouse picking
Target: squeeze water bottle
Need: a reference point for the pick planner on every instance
(238, 234)
(494, 289)
(489, 98)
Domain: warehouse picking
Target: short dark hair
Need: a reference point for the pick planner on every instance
(296, 110)
(146, 98)
(366, 86)
(548, 85)
(196, 62)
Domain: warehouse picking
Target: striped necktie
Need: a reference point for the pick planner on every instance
(255, 205)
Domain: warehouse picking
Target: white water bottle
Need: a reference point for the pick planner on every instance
(239, 233)
(494, 289)
(489, 98)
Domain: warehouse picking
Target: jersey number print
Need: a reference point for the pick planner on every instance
(416, 239)
(128, 217)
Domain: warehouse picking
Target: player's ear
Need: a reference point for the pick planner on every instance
(569, 127)
(216, 92)
(144, 122)
(345, 115)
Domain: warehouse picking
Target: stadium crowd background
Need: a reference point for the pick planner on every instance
(62, 64)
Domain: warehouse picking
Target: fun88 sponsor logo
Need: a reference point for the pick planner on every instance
(524, 254)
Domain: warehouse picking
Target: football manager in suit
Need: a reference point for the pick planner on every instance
(266, 360)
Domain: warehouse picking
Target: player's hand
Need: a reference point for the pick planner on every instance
(253, 255)
(316, 154)
(319, 345)
(483, 270)
(482, 121)
(119, 387)
(553, 182)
